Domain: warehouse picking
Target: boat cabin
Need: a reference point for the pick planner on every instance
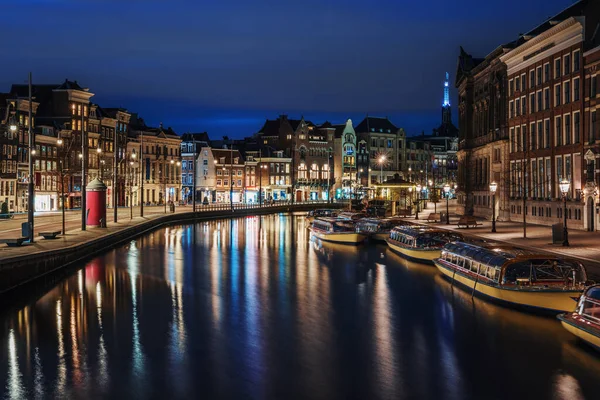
(422, 237)
(513, 267)
(333, 225)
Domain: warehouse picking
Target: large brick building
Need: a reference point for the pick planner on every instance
(591, 135)
(546, 112)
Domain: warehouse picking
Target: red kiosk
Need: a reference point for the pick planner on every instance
(96, 203)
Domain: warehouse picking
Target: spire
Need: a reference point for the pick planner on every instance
(446, 110)
(446, 91)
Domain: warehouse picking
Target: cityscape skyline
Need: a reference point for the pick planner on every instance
(237, 72)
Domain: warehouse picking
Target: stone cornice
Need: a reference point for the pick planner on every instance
(562, 27)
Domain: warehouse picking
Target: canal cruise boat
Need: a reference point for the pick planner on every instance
(379, 228)
(514, 276)
(336, 230)
(420, 243)
(584, 322)
(322, 212)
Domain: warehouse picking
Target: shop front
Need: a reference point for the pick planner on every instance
(45, 202)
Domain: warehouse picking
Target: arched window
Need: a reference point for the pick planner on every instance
(314, 171)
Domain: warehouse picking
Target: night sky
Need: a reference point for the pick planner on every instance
(223, 66)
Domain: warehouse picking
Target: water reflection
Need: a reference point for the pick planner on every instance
(254, 309)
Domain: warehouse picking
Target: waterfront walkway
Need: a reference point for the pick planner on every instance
(583, 245)
(52, 222)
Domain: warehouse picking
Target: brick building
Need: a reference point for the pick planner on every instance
(546, 111)
(591, 136)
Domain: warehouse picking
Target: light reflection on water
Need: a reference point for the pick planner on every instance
(251, 308)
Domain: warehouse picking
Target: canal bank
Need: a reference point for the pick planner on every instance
(37, 261)
(584, 246)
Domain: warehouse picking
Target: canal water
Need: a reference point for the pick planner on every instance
(250, 308)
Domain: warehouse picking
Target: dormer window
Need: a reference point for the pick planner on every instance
(221, 160)
(235, 160)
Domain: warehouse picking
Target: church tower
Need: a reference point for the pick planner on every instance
(446, 110)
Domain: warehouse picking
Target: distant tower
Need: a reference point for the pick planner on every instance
(446, 110)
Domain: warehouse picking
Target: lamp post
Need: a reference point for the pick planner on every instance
(131, 187)
(493, 188)
(61, 172)
(418, 201)
(447, 194)
(410, 195)
(381, 161)
(30, 188)
(564, 188)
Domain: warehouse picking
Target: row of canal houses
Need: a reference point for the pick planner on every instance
(528, 120)
(286, 159)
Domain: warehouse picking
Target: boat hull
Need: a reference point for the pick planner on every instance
(343, 238)
(589, 335)
(552, 301)
(421, 255)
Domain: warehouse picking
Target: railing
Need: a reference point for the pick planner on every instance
(244, 206)
(590, 309)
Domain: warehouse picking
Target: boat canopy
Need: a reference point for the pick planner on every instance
(483, 255)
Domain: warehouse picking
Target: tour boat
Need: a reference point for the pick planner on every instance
(514, 276)
(584, 322)
(322, 212)
(336, 230)
(379, 228)
(420, 243)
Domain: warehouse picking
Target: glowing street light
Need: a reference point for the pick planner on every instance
(447, 193)
(493, 188)
(564, 189)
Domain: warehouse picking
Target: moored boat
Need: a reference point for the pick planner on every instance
(321, 212)
(336, 230)
(420, 243)
(514, 276)
(584, 322)
(379, 228)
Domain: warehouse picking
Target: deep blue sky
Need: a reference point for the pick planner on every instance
(226, 65)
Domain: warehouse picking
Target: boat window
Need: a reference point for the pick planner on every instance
(474, 266)
(483, 270)
(517, 271)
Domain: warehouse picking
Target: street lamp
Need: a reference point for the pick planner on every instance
(381, 161)
(564, 188)
(131, 187)
(418, 201)
(447, 194)
(60, 142)
(493, 188)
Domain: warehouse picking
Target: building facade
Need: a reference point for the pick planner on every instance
(381, 150)
(345, 171)
(545, 77)
(591, 136)
(483, 146)
(160, 154)
(191, 143)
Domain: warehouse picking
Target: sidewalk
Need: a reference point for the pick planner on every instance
(584, 245)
